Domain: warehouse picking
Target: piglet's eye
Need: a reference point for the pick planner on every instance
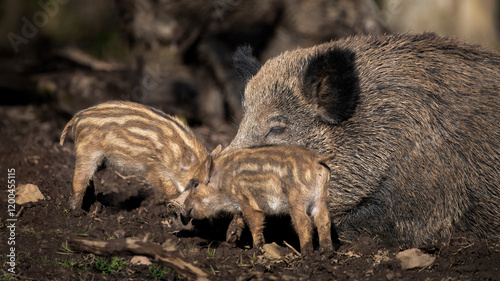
(192, 184)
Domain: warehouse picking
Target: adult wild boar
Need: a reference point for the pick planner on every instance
(414, 122)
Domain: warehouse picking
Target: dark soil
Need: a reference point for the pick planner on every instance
(29, 138)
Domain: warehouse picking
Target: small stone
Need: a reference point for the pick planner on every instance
(119, 233)
(140, 260)
(413, 258)
(272, 251)
(28, 193)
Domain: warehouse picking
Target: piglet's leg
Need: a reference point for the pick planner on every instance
(254, 217)
(323, 224)
(321, 214)
(235, 228)
(80, 182)
(301, 220)
(303, 226)
(85, 167)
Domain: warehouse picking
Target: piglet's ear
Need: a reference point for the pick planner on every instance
(245, 64)
(330, 81)
(215, 153)
(188, 159)
(209, 163)
(208, 168)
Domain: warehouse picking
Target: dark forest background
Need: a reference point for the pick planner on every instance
(175, 55)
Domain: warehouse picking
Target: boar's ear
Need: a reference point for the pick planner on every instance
(244, 63)
(330, 81)
(209, 163)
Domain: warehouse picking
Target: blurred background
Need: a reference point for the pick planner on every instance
(67, 55)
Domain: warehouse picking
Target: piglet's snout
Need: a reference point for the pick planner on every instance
(185, 216)
(180, 204)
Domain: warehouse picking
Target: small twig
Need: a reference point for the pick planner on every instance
(465, 247)
(146, 237)
(65, 253)
(293, 249)
(125, 177)
(20, 212)
(84, 59)
(17, 275)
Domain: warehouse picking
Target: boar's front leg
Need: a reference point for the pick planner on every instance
(254, 216)
(235, 228)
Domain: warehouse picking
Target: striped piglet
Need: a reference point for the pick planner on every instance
(135, 139)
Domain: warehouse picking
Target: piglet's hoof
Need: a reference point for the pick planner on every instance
(235, 229)
(326, 250)
(233, 235)
(78, 212)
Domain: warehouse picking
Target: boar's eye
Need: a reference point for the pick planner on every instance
(276, 130)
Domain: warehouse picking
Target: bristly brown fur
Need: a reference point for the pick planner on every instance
(413, 120)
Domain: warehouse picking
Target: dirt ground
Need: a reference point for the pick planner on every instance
(29, 137)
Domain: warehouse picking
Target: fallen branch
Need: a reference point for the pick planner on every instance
(79, 57)
(172, 259)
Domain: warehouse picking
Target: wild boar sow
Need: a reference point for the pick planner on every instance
(136, 139)
(270, 180)
(414, 122)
